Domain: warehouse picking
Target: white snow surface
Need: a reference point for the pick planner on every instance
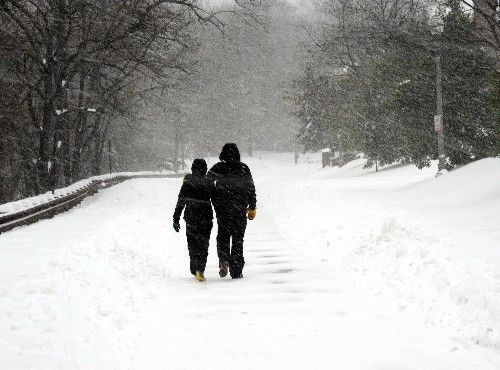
(345, 269)
(27, 203)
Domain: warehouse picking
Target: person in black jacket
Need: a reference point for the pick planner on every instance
(195, 198)
(234, 199)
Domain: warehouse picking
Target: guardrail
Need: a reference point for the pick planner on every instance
(63, 201)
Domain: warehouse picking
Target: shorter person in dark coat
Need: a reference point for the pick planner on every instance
(195, 198)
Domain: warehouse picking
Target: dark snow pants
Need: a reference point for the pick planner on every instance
(231, 227)
(198, 239)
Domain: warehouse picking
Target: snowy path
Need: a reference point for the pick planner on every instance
(288, 314)
(106, 286)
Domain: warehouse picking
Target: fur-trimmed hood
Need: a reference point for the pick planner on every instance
(230, 153)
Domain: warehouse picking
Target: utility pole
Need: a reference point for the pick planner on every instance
(438, 118)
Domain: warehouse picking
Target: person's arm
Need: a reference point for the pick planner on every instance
(181, 203)
(212, 176)
(252, 196)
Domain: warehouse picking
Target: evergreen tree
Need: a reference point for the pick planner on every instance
(384, 104)
(313, 102)
(470, 116)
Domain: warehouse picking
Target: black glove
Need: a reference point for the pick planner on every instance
(177, 226)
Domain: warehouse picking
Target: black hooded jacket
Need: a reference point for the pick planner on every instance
(195, 196)
(233, 189)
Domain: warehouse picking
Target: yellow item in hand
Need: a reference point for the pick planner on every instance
(251, 213)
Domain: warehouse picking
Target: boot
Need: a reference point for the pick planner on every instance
(223, 268)
(200, 277)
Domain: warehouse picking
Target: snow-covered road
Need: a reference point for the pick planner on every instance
(339, 275)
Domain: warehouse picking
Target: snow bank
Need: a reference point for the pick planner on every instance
(27, 203)
(427, 247)
(423, 277)
(475, 183)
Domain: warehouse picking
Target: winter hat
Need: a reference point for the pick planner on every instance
(199, 167)
(229, 153)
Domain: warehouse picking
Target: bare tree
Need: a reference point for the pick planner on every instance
(75, 66)
(487, 16)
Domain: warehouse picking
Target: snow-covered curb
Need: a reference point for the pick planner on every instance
(31, 209)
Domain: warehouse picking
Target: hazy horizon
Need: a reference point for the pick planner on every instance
(301, 5)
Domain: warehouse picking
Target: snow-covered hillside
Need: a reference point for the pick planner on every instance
(428, 247)
(346, 269)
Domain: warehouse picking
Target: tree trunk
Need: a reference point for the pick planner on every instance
(78, 131)
(99, 148)
(46, 134)
(250, 143)
(176, 150)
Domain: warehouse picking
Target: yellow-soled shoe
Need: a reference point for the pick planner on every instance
(200, 277)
